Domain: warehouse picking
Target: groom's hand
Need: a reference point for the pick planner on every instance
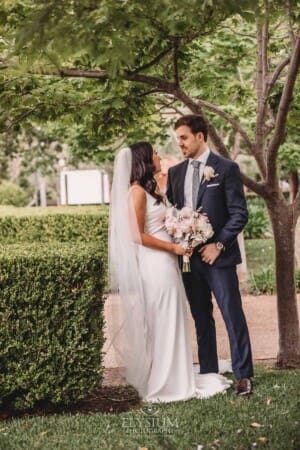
(209, 253)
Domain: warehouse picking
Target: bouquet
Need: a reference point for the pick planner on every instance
(188, 228)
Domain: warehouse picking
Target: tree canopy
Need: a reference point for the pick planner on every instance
(121, 49)
(113, 38)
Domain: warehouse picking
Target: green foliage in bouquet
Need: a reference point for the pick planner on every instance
(51, 323)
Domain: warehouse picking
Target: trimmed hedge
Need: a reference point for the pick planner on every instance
(63, 224)
(51, 323)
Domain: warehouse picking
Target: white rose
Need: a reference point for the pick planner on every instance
(209, 173)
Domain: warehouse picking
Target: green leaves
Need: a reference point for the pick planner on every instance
(51, 332)
(216, 61)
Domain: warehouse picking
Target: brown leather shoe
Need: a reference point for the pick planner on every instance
(243, 387)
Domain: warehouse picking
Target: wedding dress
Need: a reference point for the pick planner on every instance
(171, 376)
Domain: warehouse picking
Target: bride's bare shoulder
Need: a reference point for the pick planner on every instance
(137, 188)
(137, 192)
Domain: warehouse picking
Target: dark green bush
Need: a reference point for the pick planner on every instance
(258, 223)
(12, 194)
(51, 323)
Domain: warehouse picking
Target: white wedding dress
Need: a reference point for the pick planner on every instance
(172, 376)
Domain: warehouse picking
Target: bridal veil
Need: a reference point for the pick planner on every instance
(128, 330)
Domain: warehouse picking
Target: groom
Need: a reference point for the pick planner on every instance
(207, 181)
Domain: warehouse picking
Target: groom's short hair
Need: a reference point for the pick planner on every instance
(196, 123)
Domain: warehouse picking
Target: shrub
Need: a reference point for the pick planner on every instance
(263, 281)
(51, 316)
(258, 223)
(54, 224)
(11, 194)
(298, 279)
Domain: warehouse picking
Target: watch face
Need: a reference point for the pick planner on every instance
(220, 246)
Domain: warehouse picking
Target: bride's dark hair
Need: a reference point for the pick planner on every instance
(142, 168)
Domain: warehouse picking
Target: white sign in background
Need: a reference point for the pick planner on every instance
(84, 187)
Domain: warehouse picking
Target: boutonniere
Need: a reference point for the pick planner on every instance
(209, 173)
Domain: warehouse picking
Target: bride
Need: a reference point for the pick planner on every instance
(152, 336)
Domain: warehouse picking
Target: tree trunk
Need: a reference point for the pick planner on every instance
(283, 224)
(294, 184)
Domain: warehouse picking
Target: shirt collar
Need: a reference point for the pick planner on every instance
(203, 157)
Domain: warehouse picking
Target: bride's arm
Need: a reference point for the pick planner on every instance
(138, 197)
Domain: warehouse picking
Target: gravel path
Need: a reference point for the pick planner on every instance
(261, 314)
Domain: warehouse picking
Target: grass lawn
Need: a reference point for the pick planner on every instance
(270, 418)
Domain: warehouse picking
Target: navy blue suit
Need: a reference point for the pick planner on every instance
(222, 199)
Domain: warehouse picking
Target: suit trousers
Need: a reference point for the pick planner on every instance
(200, 283)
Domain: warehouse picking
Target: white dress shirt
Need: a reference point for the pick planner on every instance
(188, 181)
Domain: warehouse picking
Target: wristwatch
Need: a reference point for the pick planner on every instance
(220, 246)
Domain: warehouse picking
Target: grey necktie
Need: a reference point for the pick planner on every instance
(196, 181)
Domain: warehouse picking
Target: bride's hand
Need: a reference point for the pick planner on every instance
(179, 250)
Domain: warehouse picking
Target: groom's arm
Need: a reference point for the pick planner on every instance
(236, 207)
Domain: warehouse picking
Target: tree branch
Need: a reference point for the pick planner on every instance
(259, 134)
(170, 105)
(21, 117)
(78, 73)
(158, 83)
(278, 71)
(265, 40)
(175, 63)
(154, 60)
(175, 41)
(236, 148)
(283, 110)
(290, 28)
(236, 125)
(151, 91)
(258, 188)
(262, 80)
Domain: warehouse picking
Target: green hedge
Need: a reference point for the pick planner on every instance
(51, 323)
(61, 224)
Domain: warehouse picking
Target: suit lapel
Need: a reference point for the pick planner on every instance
(180, 184)
(212, 161)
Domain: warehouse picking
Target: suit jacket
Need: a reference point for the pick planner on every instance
(221, 198)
